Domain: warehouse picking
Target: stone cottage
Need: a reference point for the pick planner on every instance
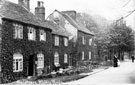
(81, 37)
(25, 42)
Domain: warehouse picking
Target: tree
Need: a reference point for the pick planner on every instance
(121, 39)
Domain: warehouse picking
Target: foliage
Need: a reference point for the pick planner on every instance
(122, 38)
(108, 37)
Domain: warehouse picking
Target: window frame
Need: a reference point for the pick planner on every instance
(83, 40)
(56, 40)
(89, 55)
(90, 41)
(17, 62)
(56, 58)
(33, 34)
(66, 42)
(44, 35)
(40, 60)
(82, 55)
(18, 31)
(65, 58)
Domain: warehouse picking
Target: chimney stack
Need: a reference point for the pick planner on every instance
(71, 13)
(40, 10)
(25, 3)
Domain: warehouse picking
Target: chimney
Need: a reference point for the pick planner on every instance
(25, 3)
(40, 10)
(71, 13)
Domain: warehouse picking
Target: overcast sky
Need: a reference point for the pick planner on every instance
(110, 9)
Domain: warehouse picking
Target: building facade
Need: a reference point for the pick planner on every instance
(32, 46)
(25, 43)
(60, 47)
(81, 38)
(60, 37)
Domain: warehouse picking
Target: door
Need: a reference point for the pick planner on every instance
(31, 65)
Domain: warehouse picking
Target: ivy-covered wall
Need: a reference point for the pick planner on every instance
(61, 49)
(86, 47)
(24, 46)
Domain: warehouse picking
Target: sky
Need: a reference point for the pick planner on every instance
(110, 9)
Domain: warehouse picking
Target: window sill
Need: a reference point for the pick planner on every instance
(42, 41)
(17, 71)
(18, 38)
(56, 45)
(31, 40)
(40, 67)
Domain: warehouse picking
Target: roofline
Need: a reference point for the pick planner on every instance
(60, 35)
(87, 33)
(76, 22)
(26, 23)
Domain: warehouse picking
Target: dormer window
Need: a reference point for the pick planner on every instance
(42, 35)
(18, 31)
(65, 41)
(31, 33)
(56, 42)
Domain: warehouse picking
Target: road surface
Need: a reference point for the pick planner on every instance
(125, 74)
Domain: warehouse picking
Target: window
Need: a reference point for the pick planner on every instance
(40, 62)
(17, 62)
(31, 33)
(83, 40)
(56, 41)
(56, 58)
(65, 41)
(90, 41)
(42, 35)
(18, 31)
(89, 55)
(83, 55)
(65, 58)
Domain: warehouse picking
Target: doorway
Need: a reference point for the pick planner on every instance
(31, 65)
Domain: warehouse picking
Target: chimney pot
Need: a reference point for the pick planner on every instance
(40, 4)
(25, 3)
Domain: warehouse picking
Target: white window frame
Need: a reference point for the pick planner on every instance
(18, 31)
(89, 55)
(56, 40)
(42, 35)
(66, 41)
(40, 60)
(90, 41)
(17, 62)
(82, 55)
(0, 20)
(83, 40)
(65, 58)
(31, 33)
(56, 58)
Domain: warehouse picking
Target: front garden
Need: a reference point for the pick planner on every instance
(62, 75)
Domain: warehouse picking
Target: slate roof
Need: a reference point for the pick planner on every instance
(58, 30)
(75, 24)
(16, 12)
